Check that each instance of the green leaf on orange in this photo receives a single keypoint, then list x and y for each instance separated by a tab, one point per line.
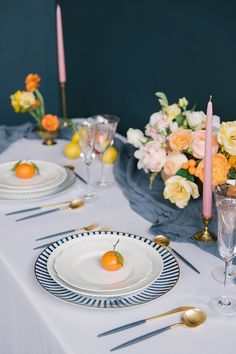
119	258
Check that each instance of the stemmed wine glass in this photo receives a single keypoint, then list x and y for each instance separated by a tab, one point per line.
226	210
87	134
105	131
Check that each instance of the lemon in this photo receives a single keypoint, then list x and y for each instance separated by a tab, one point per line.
75	138
72	150
110	155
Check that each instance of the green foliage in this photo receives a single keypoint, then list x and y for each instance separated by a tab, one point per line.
184	173
152	179
119	258
232	173
162	99
15	166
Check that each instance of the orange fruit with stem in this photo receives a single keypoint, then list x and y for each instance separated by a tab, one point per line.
25	170
112	260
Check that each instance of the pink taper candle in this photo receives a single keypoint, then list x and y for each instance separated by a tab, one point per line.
207	182
60	48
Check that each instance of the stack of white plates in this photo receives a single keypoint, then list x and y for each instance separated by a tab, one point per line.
52	179
71	270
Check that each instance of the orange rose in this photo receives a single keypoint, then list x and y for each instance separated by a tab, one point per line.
50	123
220	169
32	82
180	139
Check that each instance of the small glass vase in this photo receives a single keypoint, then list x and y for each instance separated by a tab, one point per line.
48	138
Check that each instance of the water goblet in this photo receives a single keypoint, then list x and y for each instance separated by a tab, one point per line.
226	211
87	134
105	131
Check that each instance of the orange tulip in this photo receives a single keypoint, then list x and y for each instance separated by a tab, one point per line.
50	123
32	82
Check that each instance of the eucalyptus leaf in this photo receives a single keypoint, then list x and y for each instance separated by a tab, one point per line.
119	258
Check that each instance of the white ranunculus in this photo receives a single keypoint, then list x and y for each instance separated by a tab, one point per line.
135	137
179	190
195	119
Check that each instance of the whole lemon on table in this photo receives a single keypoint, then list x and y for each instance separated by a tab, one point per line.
75	138
110	155
72	150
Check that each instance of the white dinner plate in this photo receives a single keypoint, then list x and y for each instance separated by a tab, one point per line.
164	283
78	265
50	175
21	197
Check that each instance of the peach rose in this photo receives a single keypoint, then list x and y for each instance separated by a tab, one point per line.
50	123
220	169
174	162
151	157
180	139
198	144
32	82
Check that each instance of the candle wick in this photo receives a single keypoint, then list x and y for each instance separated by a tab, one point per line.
210	97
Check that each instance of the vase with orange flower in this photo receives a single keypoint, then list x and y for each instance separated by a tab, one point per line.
31	101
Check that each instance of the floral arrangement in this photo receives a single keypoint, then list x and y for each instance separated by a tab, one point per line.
173	145
31	101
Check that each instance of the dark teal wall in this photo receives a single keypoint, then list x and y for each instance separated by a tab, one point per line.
27	44
119	52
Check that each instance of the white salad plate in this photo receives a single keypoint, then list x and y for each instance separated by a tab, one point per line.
77	266
50	176
49	280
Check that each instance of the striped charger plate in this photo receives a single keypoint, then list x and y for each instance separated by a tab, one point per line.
164	283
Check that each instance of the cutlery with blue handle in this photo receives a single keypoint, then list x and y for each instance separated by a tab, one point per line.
138	323
37	208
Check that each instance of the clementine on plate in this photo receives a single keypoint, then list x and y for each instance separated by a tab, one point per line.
25	170
112	260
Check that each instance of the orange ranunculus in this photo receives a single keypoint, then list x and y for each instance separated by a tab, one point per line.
220	169
32	82
180	139
50	123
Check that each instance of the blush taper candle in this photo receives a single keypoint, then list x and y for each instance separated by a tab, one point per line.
207	182
60	48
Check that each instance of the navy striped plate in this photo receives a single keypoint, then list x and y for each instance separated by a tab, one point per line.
164	283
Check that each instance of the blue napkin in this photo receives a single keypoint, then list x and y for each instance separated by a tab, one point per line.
166	218
9	135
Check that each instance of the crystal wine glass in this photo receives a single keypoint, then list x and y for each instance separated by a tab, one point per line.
226	210
105	131
87	134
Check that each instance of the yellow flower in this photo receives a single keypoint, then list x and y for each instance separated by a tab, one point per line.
179	190
227	137
172	111
27	99
15	101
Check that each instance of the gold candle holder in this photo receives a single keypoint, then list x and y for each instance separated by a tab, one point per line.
206	235
63	100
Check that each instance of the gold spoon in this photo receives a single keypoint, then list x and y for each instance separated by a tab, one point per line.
165	242
190	318
74	204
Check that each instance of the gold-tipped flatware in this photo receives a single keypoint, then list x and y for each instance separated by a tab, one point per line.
165	242
190	319
145	320
74	204
46	206
86	228
72	168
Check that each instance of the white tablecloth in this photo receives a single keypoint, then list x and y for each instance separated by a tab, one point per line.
34	322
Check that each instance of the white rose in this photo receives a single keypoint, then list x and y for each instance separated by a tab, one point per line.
135	137
27	100
174	161
215	123
179	190
227	137
195	119
159	121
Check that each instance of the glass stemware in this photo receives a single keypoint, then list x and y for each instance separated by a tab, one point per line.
87	134
226	210
105	131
